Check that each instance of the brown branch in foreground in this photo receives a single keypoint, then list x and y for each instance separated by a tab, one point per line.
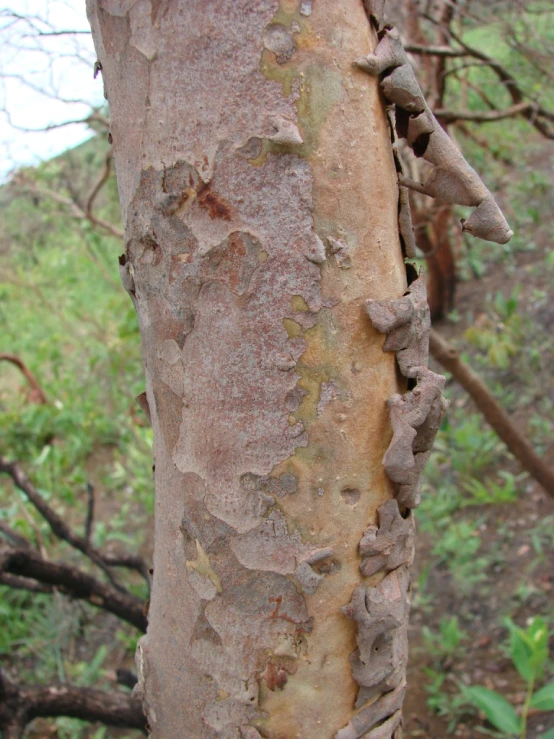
71	581
63	532
37	394
493	412
20	704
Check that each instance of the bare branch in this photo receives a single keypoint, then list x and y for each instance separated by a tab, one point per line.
73	582
442	51
37	394
22	583
496	416
76	210
20	704
98	185
451	116
62	530
17	539
90	512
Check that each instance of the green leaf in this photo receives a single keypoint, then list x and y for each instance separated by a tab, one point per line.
543	699
549	735
520	651
496	708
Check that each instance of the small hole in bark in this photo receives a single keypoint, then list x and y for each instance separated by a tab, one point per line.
350	495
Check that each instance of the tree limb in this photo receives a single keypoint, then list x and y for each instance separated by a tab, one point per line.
535	112
20	704
73	582
493	412
63	532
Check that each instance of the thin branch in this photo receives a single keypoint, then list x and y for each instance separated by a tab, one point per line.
37	394
442	51
99	184
90	513
482	142
534	113
76	210
72	582
62	530
22	583
451	116
20	704
17	539
493	412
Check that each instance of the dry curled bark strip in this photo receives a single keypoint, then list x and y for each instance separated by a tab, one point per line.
416	415
390	544
37	394
451	180
448	357
63	532
73	582
20	704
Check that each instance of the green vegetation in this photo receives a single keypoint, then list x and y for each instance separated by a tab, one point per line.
65	314
529	653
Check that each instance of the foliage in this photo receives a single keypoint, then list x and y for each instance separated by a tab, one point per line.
66	315
529	653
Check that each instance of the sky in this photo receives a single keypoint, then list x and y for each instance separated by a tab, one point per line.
45	79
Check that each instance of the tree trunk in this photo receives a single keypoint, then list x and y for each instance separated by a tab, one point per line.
259	197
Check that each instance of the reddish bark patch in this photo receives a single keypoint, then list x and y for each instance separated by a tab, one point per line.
216	206
274	676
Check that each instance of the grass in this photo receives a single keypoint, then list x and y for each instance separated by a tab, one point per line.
64	312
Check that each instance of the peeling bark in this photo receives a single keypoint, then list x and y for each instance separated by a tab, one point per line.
452	179
259	195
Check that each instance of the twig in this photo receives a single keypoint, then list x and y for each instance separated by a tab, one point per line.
442	51
491	409
90	512
76	210
16	538
101	181
20	704
483	143
451	116
535	112
37	394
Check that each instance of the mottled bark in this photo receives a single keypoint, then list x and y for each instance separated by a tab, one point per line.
259	198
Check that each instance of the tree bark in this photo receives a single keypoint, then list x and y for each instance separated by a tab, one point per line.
259	197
